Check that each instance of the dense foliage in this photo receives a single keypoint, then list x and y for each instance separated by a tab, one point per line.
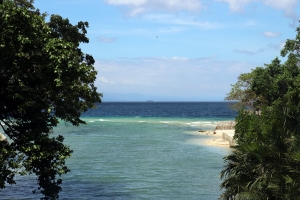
266	162
241	92
44	78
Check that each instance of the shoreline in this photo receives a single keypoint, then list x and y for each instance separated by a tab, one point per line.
216	137
221	136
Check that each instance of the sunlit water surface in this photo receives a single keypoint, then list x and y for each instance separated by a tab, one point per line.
139	151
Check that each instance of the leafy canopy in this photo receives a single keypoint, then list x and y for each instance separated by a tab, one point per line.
44	78
266	162
241	92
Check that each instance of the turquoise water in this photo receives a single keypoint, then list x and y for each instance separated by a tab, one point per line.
146	156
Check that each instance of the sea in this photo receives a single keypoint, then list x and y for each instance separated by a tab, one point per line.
139	150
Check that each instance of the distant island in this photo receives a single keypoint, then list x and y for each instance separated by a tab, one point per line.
149	101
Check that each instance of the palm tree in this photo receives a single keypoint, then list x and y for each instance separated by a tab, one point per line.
267	166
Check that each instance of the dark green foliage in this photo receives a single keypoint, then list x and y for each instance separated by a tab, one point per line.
241	92
44	78
266	162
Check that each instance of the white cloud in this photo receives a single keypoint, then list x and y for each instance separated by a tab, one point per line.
126	2
263	49
271	34
179	58
103	80
247	52
287	6
236	5
106	39
279	46
169	76
183	21
139	7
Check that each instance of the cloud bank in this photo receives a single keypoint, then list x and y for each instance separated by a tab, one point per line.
287	6
106	39
169	76
140	7
271	34
279	47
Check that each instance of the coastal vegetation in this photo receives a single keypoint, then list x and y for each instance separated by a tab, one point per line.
44	78
266	162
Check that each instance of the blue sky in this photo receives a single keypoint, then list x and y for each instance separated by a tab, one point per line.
178	50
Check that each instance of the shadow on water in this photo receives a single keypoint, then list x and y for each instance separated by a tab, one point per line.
71	189
94	190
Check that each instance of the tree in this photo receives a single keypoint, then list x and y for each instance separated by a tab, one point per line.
265	165
44	78
266	162
241	92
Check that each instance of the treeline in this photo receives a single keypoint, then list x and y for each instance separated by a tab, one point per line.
44	78
266	162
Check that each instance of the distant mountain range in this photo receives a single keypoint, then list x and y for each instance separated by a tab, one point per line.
118	97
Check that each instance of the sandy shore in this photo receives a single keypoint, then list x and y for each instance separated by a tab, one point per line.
215	138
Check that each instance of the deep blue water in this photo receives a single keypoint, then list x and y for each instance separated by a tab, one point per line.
163	109
140	151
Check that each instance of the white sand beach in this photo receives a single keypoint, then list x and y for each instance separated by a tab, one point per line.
222	135
217	137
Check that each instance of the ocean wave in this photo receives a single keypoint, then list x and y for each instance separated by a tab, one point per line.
169	122
104	120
